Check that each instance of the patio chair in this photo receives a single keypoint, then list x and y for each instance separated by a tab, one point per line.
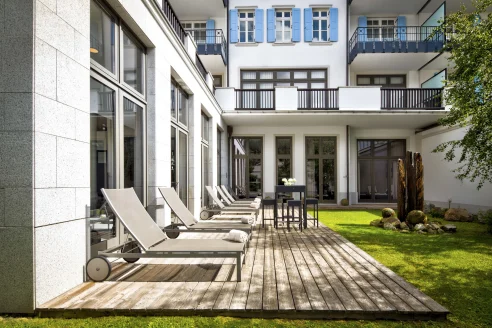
231	192
193	225
221	208
230	198
151	242
227	201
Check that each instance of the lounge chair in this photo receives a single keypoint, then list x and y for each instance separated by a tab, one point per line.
222	209
191	224
151	242
226	200
230	198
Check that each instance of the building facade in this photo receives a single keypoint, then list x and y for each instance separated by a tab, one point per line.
185	93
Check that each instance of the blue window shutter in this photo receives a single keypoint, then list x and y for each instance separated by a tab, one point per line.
308	24
233	21
271	25
334	24
210	31
296	25
401	23
259	25
362	28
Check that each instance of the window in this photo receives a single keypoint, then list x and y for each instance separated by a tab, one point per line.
205	157
179	103
197	29
247	167
283	26
284	158
303	79
246	26
321	19
380	29
321	173
205	127
219	157
103	38
386	81
377	169
133	58
217	81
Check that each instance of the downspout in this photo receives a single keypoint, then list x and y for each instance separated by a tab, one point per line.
347	136
347	46
228	49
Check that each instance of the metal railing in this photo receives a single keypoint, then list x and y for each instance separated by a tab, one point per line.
255	99
396	39
317	98
171	16
411	99
201	67
210	41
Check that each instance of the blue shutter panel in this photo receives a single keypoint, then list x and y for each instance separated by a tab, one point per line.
362	28
271	25
233	20
210	31
308	24
296	25
401	23
334	24
259	25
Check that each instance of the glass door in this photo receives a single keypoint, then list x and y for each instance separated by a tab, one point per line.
321	168
248	166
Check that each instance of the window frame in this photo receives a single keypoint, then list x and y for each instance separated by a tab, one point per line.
380	28
246	20
132	37
291	80
372	77
194	28
282	20
284	156
320	19
179	91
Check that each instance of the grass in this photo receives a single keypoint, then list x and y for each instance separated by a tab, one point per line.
455	270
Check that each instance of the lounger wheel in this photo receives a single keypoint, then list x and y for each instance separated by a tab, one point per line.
131	247
205	215
98	268
172	234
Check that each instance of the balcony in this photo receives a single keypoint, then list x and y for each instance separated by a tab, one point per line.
420	99
255	99
322	99
172	18
399	44
210	42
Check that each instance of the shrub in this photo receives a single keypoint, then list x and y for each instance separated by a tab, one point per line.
486	217
344	202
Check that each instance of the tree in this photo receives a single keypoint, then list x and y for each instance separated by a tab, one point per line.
469	91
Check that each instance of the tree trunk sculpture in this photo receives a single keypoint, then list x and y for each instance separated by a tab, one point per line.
401	190
419	168
410	184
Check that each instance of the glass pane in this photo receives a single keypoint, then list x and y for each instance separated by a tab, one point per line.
287	24
329	179
283	170
380	80
173	158
365	185
133	147
300	75
102	38
363	81
242	37
266	75
250	25
250	36
242	15
255	146
250	15
287	36
315	13
205	127
324	14
287	14
133	63
242	26
396	80
102	134
301	85
364	147
312	146
324	25
317	85
183	168
381	180
278	35
316	35
398	148
254	177
283	75
328	146
278	14
393	194
173	101
249	75
380	148
284	146
316	25
324	36
239	178
219	157
318	74
205	180
312	178
183	107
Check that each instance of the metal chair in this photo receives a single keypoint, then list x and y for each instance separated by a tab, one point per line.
315	218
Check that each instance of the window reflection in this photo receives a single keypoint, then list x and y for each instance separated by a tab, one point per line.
102	38
133	147
132	63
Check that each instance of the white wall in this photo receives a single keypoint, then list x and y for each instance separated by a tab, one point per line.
298	134
439	181
262	55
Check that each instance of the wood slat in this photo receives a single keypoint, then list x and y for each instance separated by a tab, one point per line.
255	294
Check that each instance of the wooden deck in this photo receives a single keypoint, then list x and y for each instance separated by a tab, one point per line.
313	274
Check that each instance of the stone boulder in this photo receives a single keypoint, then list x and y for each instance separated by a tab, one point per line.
435	226
375	223
393	221
415	217
458	214
389	226
449	228
388	213
404	226
419	227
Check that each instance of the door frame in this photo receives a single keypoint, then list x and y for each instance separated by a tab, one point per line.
320	157
247	158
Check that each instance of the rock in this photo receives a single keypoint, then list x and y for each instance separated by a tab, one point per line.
436	222
344	202
449	228
389	226
458	214
431	231
375	223
440	231
420	232
416	216
388	213
394	221
419	227
435	226
404	231
404	226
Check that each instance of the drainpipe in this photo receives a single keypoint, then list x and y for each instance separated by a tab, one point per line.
347	46
347	136
228	49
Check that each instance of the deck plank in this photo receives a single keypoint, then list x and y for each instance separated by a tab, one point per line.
255	294
270	297
285	300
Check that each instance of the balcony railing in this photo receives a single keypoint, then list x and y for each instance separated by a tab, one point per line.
422	99
210	42
260	99
171	16
317	98
395	39
201	67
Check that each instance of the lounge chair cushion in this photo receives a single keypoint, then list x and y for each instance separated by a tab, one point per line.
248	220
237	236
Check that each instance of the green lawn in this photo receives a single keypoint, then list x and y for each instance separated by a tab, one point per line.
455	270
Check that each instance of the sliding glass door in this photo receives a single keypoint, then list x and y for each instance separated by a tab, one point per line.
248	166
321	168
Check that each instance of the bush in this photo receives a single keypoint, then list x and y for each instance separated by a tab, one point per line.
344	202
486	217
438	212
